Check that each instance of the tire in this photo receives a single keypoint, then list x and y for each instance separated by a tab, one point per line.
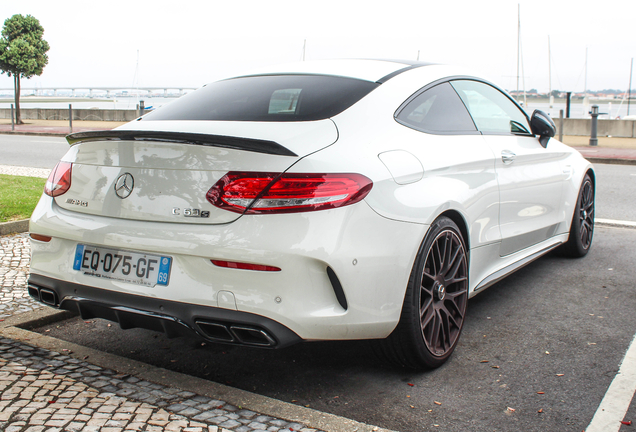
435	302
582	226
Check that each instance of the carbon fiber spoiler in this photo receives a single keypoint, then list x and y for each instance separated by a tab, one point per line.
236	143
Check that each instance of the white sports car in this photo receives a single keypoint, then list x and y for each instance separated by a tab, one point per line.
333	200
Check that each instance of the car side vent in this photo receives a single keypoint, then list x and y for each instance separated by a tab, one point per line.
337	288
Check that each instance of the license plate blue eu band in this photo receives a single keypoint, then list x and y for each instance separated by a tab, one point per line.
126	266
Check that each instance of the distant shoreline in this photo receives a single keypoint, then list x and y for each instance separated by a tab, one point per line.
573	100
54	99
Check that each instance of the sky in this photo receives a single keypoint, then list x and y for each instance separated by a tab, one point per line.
189	43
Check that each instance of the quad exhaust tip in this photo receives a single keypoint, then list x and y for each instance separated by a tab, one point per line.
239	334
46	296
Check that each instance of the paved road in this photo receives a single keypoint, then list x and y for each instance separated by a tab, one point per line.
32	151
615	189
546	342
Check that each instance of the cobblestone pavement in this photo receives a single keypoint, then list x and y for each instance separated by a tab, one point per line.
46	391
14	270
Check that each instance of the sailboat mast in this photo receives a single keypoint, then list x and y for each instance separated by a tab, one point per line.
518	43
585	89
550	73
549	67
629	89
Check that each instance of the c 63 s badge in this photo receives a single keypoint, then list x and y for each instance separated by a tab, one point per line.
190	212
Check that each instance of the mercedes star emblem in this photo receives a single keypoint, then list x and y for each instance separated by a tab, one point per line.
124	185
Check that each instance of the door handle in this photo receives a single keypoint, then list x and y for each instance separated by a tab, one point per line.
507	156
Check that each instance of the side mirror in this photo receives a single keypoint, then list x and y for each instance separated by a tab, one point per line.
542	125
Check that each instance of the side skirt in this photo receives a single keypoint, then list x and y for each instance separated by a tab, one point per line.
495	277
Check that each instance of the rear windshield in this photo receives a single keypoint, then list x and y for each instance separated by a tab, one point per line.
267	98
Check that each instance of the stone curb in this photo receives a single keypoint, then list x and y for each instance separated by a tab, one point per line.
57	134
16	328
614	223
14	227
614	161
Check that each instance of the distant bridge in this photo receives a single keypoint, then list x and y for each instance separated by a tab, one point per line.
108	90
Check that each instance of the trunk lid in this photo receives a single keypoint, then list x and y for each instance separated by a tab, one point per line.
155	171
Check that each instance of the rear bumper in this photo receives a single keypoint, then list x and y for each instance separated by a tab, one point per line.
169	317
343	271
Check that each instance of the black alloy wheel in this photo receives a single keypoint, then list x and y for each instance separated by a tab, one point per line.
582	227
443	293
435	302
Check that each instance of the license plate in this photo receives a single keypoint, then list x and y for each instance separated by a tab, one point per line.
126	266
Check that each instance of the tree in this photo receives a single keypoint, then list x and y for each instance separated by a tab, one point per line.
22	52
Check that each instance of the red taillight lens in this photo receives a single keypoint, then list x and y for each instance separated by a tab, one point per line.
59	181
254	193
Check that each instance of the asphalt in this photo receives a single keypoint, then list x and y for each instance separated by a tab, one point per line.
48	384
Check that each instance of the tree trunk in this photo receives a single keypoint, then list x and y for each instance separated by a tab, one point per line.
16	86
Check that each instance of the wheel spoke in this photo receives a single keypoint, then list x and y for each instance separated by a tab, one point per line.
434	332
456	261
451	319
428	275
424	310
456	280
457	312
444	331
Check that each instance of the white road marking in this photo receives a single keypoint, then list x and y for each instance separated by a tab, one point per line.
612	222
619	395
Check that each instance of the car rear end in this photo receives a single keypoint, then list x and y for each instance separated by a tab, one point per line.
195	219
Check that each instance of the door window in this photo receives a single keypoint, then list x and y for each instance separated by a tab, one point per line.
492	111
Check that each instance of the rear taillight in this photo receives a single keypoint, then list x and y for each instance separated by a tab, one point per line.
255	193
59	181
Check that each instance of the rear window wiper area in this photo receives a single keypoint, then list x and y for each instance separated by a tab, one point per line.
230	142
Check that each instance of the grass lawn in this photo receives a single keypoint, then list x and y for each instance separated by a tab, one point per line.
19	196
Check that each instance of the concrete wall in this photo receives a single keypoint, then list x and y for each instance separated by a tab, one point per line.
583	127
78	114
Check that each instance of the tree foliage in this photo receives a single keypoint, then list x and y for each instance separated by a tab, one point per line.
22	51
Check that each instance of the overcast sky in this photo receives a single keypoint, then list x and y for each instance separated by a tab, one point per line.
188	43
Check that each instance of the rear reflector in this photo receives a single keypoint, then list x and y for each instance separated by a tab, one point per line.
244	266
59	181
257	193
41	238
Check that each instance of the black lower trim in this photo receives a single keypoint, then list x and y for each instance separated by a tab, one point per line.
337	288
170	317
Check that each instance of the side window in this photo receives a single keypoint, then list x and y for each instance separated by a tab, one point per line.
492	111
437	110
